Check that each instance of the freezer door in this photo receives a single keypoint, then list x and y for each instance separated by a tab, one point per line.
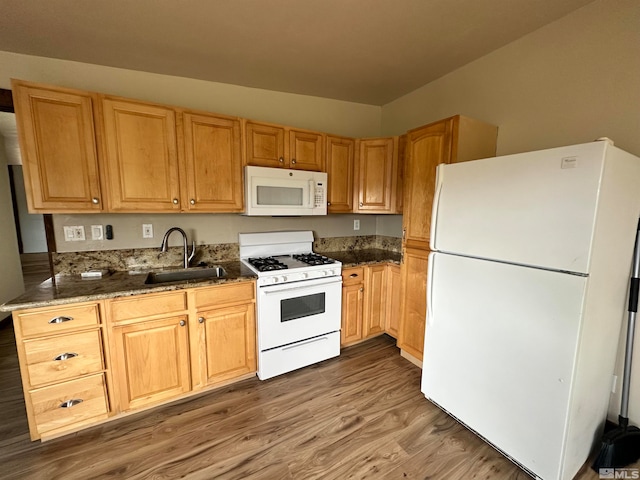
535	208
499	352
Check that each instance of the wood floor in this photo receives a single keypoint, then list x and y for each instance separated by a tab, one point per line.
359	416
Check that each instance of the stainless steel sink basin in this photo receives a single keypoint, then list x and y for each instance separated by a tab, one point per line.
196	273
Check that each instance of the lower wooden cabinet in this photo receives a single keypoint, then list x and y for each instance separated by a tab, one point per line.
152	361
414	307
223	340
64	369
352	305
366	300
394	300
85	363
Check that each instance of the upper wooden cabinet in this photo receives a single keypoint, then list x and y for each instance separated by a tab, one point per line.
212	163
454	139
58	145
340	169
141	156
377	173
268	145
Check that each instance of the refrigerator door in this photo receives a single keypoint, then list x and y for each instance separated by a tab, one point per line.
535	208
500	346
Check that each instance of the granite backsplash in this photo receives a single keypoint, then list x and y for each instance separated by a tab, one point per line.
73	263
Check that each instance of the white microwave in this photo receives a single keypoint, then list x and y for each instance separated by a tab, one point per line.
283	192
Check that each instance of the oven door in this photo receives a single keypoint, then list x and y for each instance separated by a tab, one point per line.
297	311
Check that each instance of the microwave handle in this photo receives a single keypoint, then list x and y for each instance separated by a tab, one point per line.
312	193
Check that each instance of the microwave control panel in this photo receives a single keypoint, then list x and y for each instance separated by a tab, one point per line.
320	195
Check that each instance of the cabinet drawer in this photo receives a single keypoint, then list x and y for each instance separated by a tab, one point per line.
63	357
141	306
225	294
352	276
59	406
58	320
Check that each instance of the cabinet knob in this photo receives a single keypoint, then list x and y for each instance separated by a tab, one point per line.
200	319
192	201
95	200
175	201
293	160
361	204
182	323
70	403
362	289
328	204
60	319
64	356
281	160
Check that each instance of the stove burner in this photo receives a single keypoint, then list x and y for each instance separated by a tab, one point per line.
313	259
266	264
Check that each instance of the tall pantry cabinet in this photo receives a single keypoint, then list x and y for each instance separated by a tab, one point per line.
455	139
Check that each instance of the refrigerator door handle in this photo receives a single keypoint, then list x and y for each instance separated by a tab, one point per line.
436	204
432	259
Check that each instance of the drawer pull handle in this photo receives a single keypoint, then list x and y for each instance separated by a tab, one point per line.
70	403
65	356
60	320
353	275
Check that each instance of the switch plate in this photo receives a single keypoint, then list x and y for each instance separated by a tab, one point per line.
74	233
356	224
147	230
96	232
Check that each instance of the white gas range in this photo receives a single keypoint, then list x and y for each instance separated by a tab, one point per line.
299	300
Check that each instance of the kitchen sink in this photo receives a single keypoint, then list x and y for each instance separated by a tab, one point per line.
196	273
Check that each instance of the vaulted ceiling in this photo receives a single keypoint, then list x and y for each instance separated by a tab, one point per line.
366	51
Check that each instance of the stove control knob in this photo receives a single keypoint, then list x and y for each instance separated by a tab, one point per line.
274	279
305	275
284	278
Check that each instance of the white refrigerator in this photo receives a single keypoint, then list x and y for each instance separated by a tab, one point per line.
526	295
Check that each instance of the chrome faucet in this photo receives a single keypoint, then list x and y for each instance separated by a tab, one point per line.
187	257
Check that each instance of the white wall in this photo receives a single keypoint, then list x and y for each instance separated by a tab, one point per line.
32	233
569	82
11	282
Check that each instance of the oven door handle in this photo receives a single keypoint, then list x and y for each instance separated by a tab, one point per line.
307	285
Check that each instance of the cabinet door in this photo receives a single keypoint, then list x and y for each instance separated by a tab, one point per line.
58	146
375	306
213	163
265	145
377	173
352	306
414	301
340	165
427	147
394	300
141	157
306	150
153	361
227	343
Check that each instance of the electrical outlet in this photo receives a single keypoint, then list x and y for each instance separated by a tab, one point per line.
96	232
78	232
356	224
147	230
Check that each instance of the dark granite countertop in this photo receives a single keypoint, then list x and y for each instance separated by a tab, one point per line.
74	288
353	258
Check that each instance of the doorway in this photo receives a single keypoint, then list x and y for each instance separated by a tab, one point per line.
34	231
